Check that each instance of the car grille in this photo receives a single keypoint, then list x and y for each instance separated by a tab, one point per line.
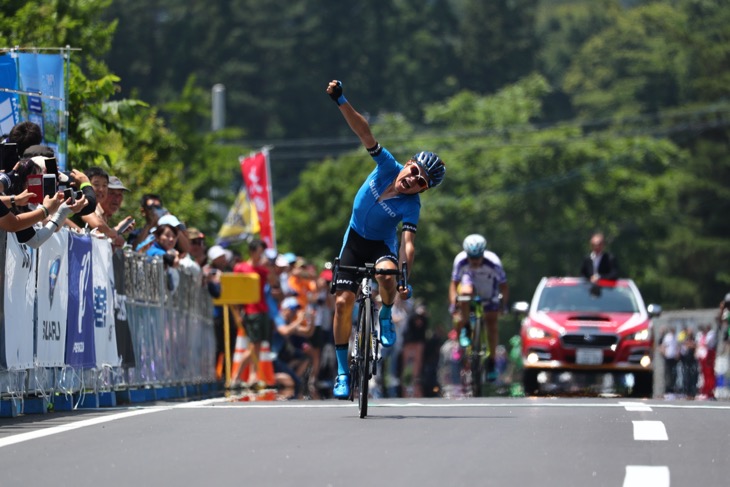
589	340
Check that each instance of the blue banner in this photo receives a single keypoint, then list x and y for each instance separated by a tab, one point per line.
80	350
43	74
9	109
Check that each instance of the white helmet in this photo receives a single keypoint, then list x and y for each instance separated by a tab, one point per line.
475	245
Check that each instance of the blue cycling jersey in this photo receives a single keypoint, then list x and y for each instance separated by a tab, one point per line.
378	220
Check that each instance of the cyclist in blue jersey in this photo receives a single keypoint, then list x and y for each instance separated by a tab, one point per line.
390	195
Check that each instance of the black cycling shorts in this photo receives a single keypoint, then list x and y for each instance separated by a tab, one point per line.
358	251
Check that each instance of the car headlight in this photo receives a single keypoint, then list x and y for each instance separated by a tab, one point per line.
641	336
536	333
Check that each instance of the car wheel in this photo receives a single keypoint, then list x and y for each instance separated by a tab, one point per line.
644	385
529	382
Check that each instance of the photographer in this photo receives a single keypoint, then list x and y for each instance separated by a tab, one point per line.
21	136
75	179
55	206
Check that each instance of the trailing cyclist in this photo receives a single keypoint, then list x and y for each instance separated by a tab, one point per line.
478	272
389	196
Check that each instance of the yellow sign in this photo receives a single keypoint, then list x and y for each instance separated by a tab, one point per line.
239	288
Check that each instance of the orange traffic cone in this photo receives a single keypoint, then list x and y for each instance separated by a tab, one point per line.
265	368
239	370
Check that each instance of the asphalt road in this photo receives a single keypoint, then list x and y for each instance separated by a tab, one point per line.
476	442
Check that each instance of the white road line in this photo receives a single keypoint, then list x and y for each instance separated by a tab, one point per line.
650	431
643	476
32	435
636	406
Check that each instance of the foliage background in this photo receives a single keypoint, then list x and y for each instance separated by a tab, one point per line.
555	118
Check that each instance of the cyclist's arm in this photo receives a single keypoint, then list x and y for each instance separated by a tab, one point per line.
359	125
407	249
453	292
504	290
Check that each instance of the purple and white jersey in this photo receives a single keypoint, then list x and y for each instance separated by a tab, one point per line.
485	278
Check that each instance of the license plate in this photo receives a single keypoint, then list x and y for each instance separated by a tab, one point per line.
588	356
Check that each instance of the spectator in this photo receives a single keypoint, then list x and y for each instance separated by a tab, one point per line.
75	179
321	340
197	246
164	247
112	203
670	352
23	223
194	260
151	209
599	264
414	343
99	180
23	135
688	362
706	353
219	260
290	346
256	317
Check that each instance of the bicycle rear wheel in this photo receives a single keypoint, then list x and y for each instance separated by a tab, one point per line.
476	358
366	332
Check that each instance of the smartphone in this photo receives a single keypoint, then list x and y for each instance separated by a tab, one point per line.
35	186
126	226
8	156
49	184
51	166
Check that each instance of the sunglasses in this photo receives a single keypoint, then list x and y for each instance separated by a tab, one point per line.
416	172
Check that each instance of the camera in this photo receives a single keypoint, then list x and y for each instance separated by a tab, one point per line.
70	193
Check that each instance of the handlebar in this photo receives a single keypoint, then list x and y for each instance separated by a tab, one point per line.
369	270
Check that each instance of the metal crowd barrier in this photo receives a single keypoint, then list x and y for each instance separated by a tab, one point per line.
165	341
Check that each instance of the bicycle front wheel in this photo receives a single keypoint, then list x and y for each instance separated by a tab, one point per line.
366	333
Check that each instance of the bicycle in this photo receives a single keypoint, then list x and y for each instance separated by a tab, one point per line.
365	351
476	353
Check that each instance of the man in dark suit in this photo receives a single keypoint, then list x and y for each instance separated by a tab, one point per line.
599	264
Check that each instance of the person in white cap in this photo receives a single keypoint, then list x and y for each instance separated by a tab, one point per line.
219	260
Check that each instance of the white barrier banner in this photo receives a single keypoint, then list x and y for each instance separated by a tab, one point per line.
105	337
18	300
52	301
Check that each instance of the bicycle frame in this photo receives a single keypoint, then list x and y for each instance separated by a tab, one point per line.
364	354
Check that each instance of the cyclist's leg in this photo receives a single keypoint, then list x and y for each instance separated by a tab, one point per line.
490	319
342	328
387	287
466	290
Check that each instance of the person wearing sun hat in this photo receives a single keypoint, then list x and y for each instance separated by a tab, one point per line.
113	202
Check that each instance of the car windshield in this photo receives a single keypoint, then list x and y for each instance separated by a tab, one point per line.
585	297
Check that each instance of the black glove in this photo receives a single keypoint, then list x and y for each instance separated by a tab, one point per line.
337	95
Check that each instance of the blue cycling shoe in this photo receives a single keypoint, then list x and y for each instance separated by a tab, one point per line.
342	387
387	329
464	339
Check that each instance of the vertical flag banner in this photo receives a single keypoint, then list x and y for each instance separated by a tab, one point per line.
16	334
241	222
52	301
42	74
256	176
80	333
9	108
105	336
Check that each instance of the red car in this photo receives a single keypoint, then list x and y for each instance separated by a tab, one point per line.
573	325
